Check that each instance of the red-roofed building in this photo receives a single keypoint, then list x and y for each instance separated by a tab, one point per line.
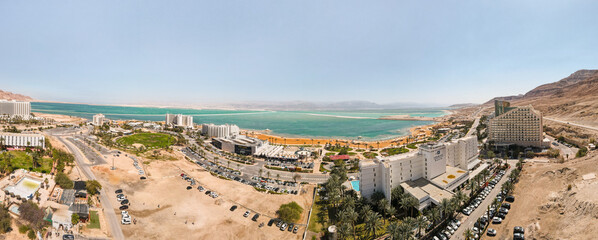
342	157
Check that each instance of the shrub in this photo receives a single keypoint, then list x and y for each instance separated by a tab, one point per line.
5	220
75	218
23	229
93	187
31	234
290	212
63	181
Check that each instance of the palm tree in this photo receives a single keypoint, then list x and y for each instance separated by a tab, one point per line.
372	222
445	207
405	230
344	230
461	197
421	223
393	230
468	234
352	216
383	206
408	203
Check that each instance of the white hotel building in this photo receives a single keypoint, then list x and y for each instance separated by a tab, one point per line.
98	119
179	120
23	140
430	174
15	108
220	131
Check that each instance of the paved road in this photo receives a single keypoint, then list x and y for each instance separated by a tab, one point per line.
108	209
573	124
473	126
480	210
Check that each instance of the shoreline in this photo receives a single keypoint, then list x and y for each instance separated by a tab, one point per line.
361	144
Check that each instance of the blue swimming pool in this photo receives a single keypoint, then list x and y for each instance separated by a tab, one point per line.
355	185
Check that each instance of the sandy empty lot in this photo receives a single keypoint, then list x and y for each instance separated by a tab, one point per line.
190	214
547	209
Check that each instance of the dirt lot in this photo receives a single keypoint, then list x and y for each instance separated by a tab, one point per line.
190	214
547	209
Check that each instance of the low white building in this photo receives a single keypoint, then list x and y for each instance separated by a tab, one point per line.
98	119
23	139
240	144
429	174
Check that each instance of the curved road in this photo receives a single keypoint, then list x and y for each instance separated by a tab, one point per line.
111	218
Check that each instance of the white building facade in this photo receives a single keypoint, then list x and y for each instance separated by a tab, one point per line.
98	119
437	164
518	125
179	120
23	140
15	108
220	131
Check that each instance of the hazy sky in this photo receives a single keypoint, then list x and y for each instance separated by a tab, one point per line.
173	52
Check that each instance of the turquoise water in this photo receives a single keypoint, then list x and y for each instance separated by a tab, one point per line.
355	185
327	124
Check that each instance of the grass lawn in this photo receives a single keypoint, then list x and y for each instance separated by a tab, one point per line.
330	153
351	153
412	146
395	151
20	159
314	222
149	140
370	154
94	220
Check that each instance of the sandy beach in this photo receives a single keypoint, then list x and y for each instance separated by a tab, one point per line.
421	131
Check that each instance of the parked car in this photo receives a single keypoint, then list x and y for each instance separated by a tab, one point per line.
123	207
518	236
283	227
118	191
233	208
496	220
510	199
124	202
491	232
518	230
295	229
246	214
125	221
255	217
68	237
506	205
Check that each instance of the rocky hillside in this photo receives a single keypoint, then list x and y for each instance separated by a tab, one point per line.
14	96
574	98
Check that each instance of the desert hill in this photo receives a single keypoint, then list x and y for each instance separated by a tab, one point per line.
14	96
573	98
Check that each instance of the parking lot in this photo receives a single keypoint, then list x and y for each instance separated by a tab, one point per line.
478	209
264	183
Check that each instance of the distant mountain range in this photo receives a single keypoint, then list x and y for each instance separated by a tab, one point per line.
344	105
573	98
13	96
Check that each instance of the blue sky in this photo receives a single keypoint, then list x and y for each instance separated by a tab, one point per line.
181	52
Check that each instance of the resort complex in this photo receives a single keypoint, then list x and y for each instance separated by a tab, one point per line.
22	140
220	131
98	119
430	174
